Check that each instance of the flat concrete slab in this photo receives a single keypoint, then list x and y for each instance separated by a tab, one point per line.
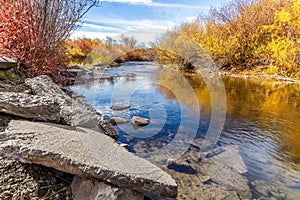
85	153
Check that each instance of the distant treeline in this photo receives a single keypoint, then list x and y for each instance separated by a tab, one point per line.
85	51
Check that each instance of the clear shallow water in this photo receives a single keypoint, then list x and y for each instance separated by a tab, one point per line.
262	119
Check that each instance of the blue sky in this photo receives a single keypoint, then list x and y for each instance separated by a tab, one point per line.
143	19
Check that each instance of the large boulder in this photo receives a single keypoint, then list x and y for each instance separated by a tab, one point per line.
85	153
73	111
46	101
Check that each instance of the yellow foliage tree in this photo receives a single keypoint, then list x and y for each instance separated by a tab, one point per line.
262	36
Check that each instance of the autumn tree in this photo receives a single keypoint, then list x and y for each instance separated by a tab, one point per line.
129	42
249	36
79	49
32	31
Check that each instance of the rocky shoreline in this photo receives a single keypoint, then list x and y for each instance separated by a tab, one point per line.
48	137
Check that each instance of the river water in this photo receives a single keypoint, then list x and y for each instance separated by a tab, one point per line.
262	121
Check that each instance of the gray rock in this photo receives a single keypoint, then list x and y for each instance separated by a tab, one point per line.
6	63
139	121
30	106
84	152
79	71
107	128
73	111
92	189
118	120
118	107
46	101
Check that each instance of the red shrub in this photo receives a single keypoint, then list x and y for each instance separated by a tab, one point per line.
21	38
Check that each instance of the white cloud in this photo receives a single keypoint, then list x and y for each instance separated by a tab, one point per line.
97	27
152	3
92	34
126	25
128	1
191	19
144	30
146	35
142	35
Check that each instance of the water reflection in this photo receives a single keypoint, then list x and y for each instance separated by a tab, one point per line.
263	119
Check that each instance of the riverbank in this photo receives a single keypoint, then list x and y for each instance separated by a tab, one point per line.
262	77
44	128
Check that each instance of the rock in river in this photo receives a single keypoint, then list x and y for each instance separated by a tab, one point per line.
85	153
118	107
118	120
139	121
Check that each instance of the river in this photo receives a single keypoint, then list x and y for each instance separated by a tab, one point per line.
262	121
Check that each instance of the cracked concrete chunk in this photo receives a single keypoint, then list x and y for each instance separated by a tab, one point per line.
46	101
29	106
85	153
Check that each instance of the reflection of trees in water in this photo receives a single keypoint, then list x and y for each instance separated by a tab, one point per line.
273	107
178	81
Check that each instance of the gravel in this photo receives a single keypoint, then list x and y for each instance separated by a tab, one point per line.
26	181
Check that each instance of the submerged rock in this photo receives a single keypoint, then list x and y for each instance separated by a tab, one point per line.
139	121
219	175
275	189
92	189
84	152
182	166
118	107
229	156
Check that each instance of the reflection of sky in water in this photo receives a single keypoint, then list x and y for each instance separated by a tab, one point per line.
262	116
138	90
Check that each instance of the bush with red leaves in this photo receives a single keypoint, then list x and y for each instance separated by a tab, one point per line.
21	38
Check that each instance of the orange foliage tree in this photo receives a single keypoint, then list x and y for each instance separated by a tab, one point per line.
79	49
